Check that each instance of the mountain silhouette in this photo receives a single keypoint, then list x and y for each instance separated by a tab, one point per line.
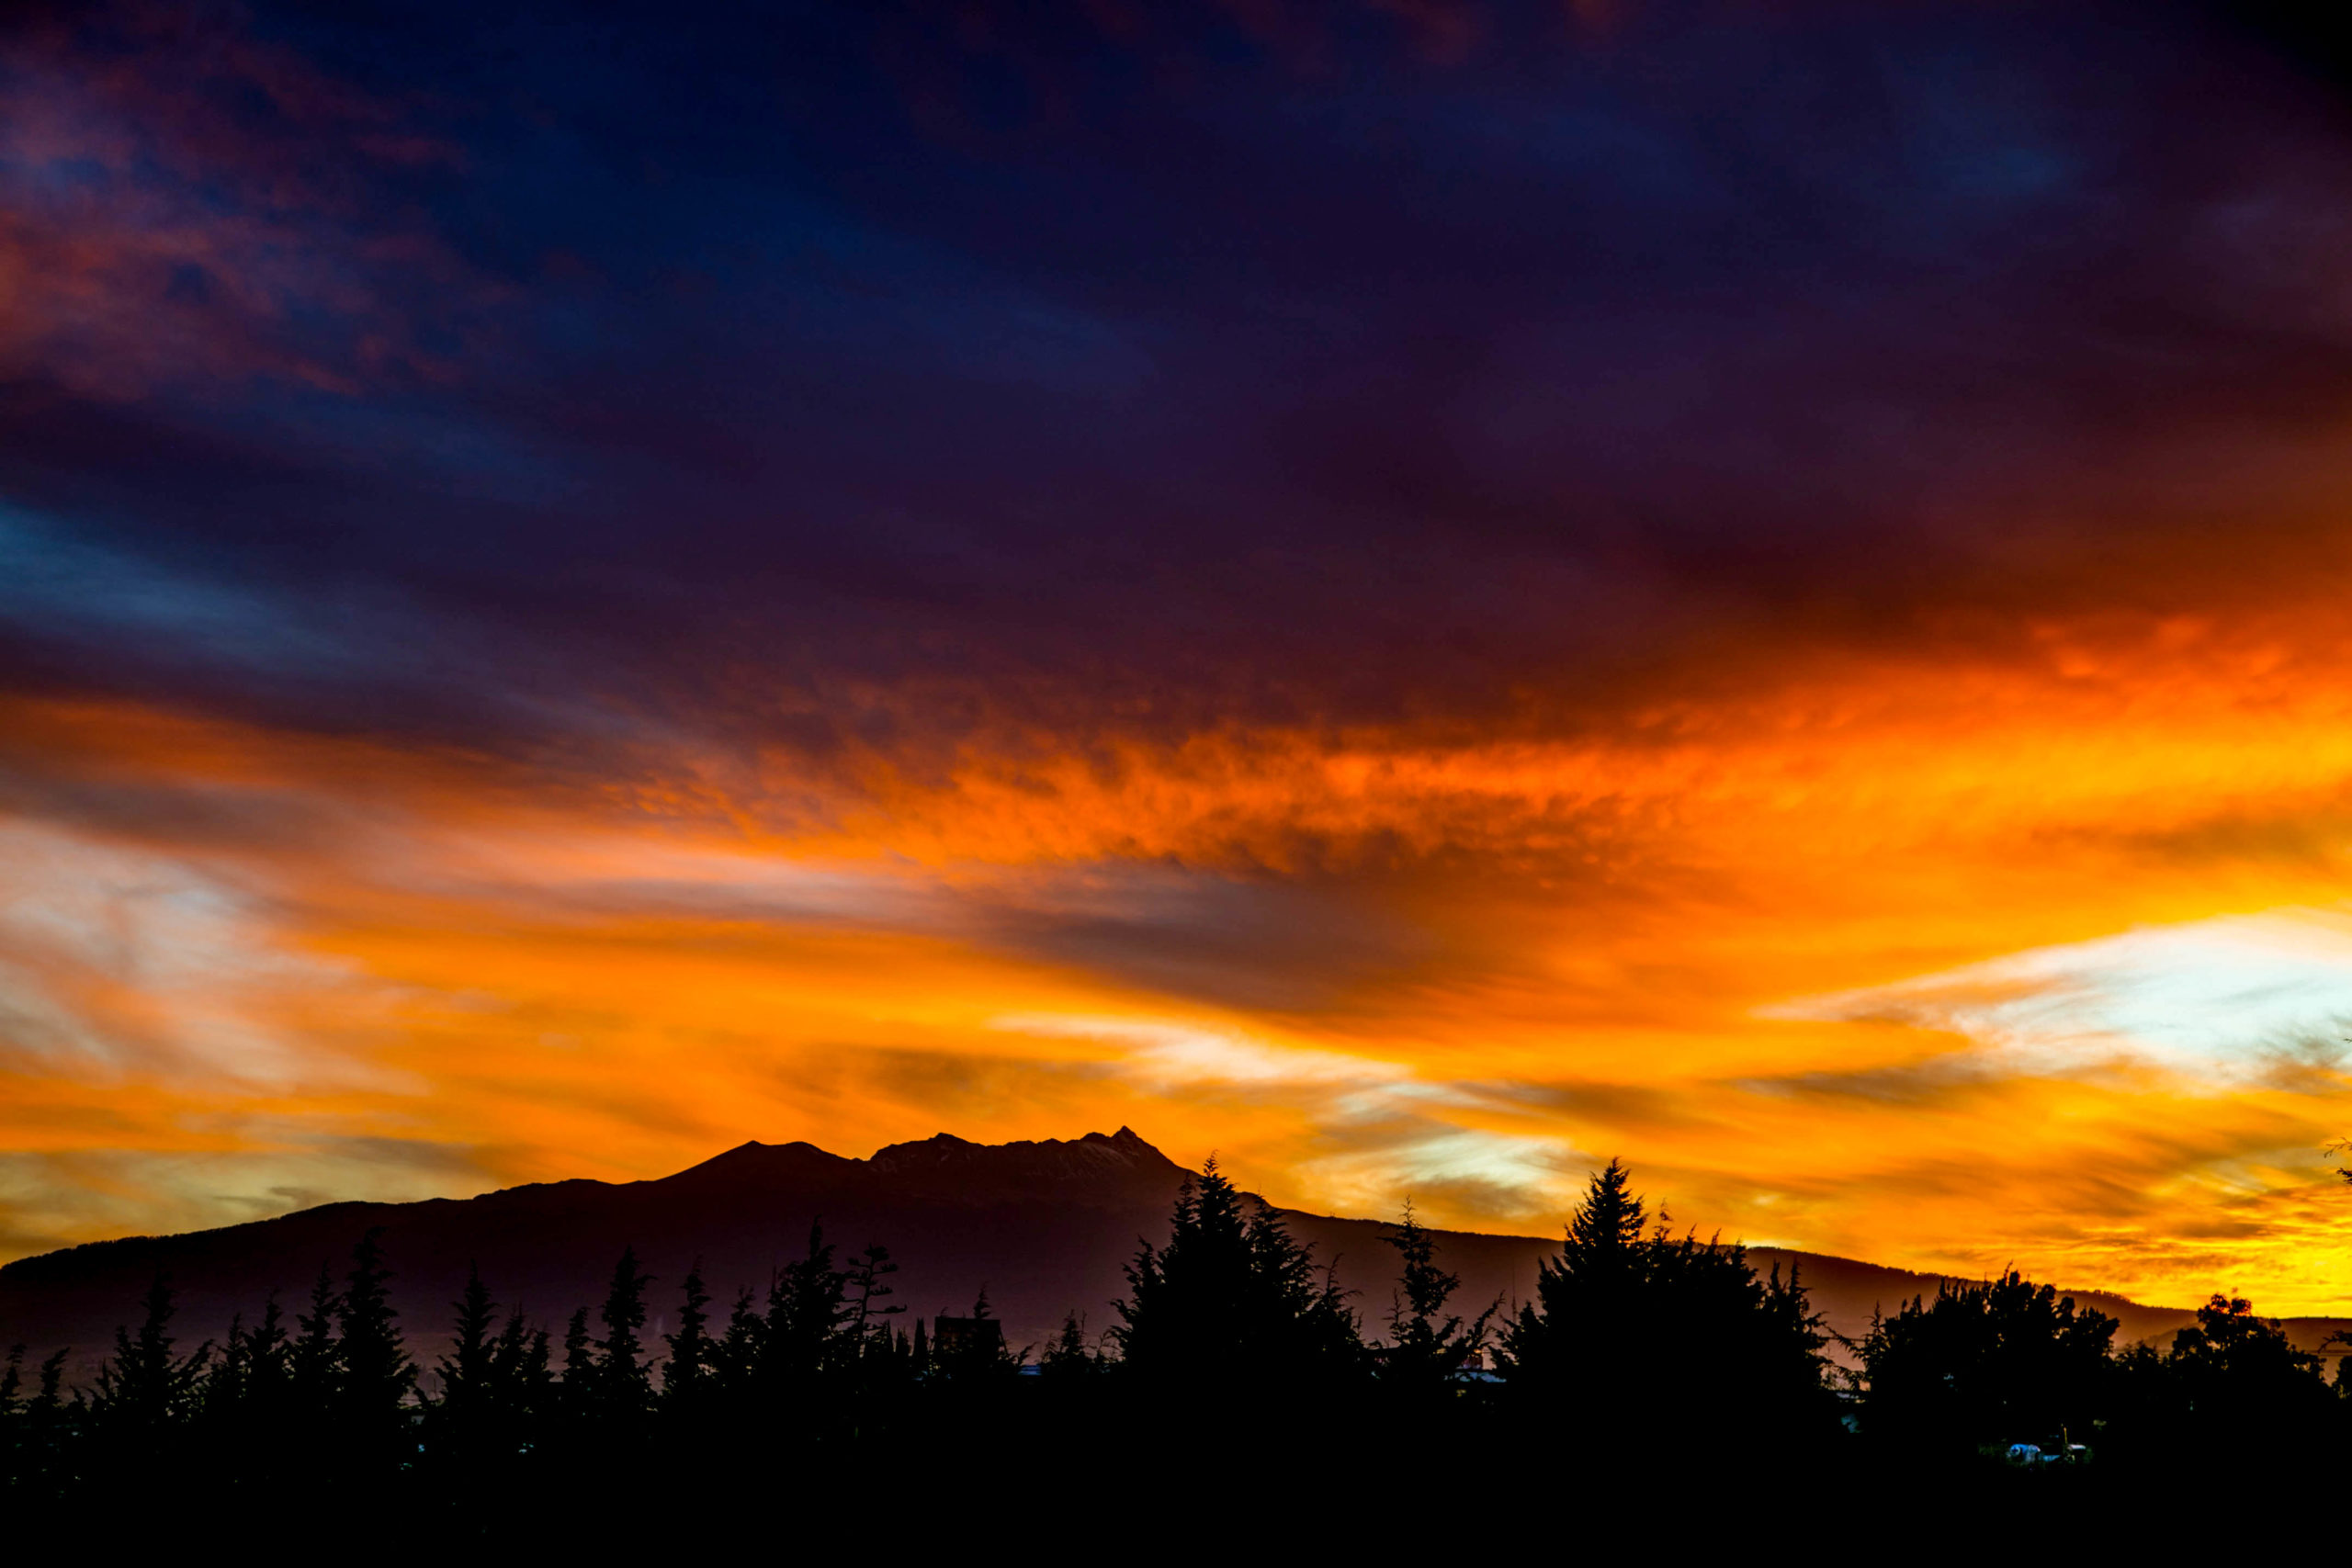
1045	1227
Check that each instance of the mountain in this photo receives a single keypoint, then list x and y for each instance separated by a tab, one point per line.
1042	1227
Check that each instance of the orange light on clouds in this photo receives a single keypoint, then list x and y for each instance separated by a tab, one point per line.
1699	939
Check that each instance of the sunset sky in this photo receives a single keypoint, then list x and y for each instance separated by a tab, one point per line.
1416	594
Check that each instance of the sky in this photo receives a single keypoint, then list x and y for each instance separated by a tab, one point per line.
1417	594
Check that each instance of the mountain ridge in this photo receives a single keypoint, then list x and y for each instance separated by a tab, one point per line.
1045	1226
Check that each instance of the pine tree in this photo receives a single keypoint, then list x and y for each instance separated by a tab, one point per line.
579	1367
1618	1318
624	1389
227	1391
1068	1356
378	1376
144	1387
1232	1294
865	1287
1575	1331
691	1363
1426	1346
523	1382
315	1361
49	1401
263	1387
735	1359
807	1307
466	1369
38	1454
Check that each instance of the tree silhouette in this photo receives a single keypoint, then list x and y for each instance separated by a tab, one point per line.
143	1387
2004	1360
1653	1330
865	1285
1426	1346
466	1369
1068	1356
735	1359
2244	1379
521	1378
624	1387
578	1367
378	1376
316	1359
690	1362
808	1305
1231	1291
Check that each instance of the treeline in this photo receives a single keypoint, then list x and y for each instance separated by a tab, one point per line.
1635	1340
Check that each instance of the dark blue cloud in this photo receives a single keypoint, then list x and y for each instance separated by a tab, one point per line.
1061	370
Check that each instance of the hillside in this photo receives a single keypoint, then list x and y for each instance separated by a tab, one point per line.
1042	1227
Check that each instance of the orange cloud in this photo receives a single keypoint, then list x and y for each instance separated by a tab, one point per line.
1565	945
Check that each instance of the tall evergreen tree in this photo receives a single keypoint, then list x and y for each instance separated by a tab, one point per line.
144	1387
807	1307
467	1369
867	1284
624	1387
521	1378
1068	1356
735	1359
1231	1295
378	1376
1426	1346
1651	1328
691	1364
578	1391
315	1361
263	1390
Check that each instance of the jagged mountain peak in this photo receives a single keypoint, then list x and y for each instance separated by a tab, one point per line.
1091	1159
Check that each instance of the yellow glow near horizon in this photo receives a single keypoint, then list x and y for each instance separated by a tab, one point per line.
1698	938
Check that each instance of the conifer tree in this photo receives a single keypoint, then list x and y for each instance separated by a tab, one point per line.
226	1391
377	1375
808	1305
49	1401
315	1361
735	1359
12	1420
578	1367
624	1389
691	1363
1068	1356
1426	1346
144	1387
1232	1294
35	1456
255	1402
466	1369
865	1286
1620	1318
520	1374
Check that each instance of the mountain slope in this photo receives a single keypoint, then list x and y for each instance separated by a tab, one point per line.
1043	1227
